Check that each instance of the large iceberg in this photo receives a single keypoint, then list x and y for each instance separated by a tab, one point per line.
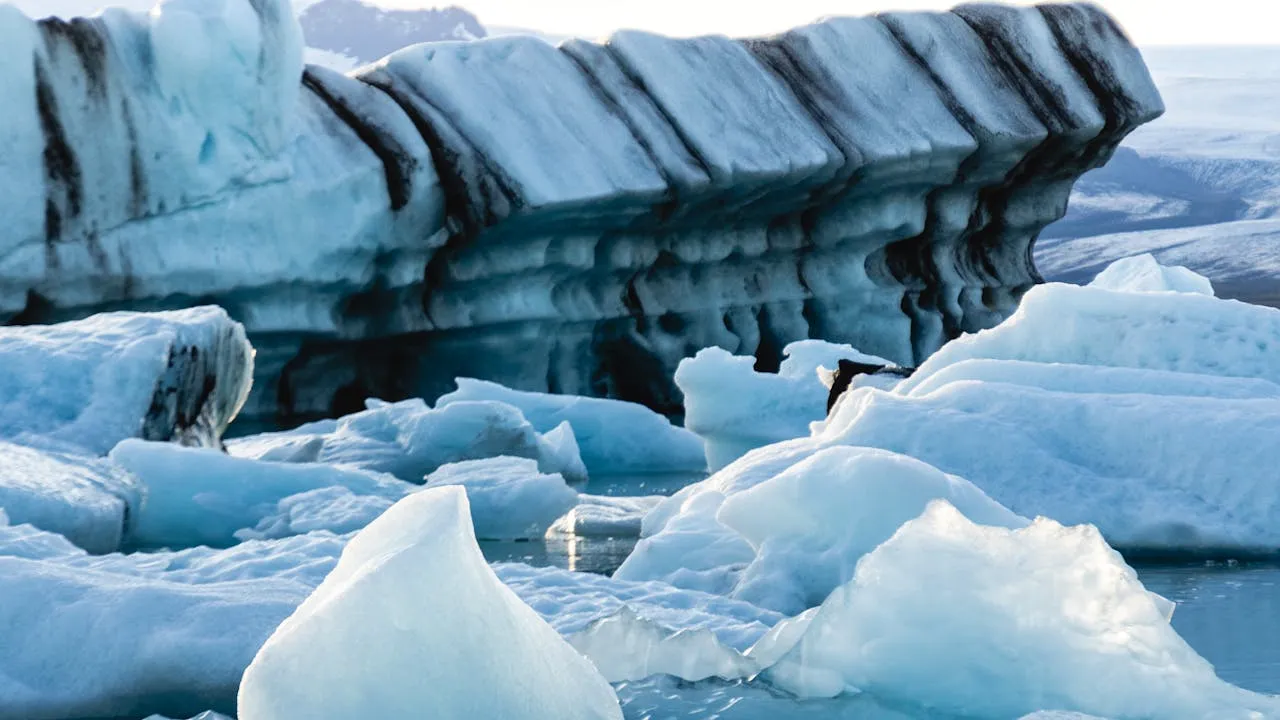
1144	412
987	622
609	208
413	618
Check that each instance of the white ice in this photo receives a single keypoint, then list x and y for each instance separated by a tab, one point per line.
1141	273
606	516
736	409
410	440
413	618
615	438
990	622
202	497
627	647
812	524
95	382
509	498
90	636
87	500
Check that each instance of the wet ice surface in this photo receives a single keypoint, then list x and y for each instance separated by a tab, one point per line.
599	555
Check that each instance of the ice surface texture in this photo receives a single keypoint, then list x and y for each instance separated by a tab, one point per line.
413	617
608	208
1144	412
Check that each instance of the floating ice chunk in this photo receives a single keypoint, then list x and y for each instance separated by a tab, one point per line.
736	409
334	509
812	524
410	440
560	450
179	376
616	438
202	497
85	499
1181	332
1141	273
627	647
693	550
122	636
991	622
606	516
510	499
413	618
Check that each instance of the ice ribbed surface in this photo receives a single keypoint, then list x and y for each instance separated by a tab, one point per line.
610	208
175	376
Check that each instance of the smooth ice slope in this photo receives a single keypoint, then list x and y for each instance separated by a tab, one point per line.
509	498
174	376
87	500
609	208
1043	617
736	409
413	617
201	497
812	524
615	438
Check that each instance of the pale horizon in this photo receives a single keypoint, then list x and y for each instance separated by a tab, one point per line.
1150	23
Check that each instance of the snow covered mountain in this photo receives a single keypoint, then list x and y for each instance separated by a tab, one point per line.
608	209
366	32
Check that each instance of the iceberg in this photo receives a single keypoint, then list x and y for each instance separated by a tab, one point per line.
736	409
172	377
196	497
615	438
414	585
334	509
1143	413
410	440
509	498
86	500
812	524
606	516
130	635
609	208
991	622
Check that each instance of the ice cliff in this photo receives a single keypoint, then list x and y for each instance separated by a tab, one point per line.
608	209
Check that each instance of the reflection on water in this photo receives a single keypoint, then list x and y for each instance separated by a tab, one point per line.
600	556
1230	614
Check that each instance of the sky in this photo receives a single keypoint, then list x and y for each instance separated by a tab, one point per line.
1149	22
